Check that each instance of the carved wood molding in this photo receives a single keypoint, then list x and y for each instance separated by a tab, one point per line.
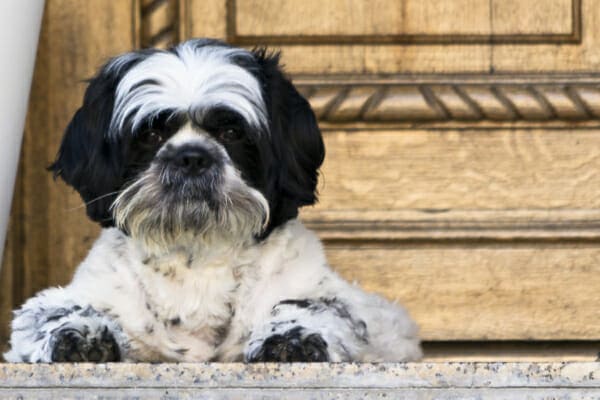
467	99
442	225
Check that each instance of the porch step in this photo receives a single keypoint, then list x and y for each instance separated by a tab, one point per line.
498	380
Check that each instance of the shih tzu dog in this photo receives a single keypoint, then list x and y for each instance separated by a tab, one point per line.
195	160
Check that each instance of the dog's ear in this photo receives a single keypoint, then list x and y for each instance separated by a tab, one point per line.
296	140
91	158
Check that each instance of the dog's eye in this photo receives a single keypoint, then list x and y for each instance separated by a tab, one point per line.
152	137
229	134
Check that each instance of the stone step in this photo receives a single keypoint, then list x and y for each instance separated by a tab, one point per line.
498	380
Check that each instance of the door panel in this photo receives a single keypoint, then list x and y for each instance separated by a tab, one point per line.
483	291
454	188
452	170
336	21
405	36
393	21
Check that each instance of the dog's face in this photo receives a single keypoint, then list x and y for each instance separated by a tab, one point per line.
203	138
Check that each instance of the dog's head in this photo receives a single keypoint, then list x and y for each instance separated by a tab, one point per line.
203	138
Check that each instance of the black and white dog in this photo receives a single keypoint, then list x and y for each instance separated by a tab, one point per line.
195	160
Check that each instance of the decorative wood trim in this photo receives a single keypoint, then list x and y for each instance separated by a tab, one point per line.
184	20
442	98
443	225
160	22
407	39
577	24
510	350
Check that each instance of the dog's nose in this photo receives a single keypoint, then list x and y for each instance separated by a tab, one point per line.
193	160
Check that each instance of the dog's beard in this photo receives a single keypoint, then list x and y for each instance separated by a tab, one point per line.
163	210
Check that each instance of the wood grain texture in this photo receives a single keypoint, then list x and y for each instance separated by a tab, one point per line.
470	291
530	16
441	170
277	18
206	19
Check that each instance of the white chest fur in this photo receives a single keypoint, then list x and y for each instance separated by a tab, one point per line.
175	306
183	304
179	287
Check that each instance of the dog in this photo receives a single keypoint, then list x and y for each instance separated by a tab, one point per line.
195	161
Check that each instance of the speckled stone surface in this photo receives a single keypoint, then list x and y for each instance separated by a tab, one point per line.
302	381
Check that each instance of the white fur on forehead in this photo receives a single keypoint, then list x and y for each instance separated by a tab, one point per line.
190	78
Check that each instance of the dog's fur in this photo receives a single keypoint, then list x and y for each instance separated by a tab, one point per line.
195	160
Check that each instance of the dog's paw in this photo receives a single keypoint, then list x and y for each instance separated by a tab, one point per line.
73	345
291	346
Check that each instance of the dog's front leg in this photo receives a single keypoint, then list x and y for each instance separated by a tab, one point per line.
54	326
308	330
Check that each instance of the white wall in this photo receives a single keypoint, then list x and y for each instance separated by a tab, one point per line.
20	22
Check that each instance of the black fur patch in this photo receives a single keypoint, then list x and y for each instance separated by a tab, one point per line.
330	304
149	328
58	313
71	345
292	347
305	303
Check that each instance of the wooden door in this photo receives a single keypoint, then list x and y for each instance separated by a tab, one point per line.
462	174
